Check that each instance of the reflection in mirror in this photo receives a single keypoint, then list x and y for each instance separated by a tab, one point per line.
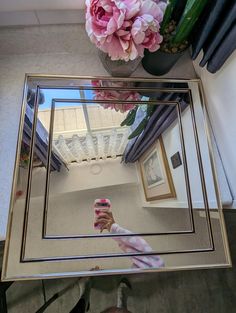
114	176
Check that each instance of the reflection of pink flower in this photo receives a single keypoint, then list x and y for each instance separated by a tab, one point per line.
124	28
117	94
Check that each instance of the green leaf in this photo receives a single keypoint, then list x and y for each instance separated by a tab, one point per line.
168	14
139	129
130	118
191	13
151	109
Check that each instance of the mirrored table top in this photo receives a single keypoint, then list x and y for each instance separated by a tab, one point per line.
113	176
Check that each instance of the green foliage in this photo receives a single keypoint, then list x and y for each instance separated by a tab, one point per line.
175	37
130	118
151	109
139	129
191	13
168	13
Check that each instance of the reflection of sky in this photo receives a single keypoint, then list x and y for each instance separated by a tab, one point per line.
50	94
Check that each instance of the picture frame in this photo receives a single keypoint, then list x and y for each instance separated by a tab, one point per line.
155	173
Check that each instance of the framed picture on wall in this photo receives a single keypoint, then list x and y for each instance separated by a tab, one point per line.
155	173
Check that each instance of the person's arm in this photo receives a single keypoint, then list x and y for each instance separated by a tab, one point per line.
131	244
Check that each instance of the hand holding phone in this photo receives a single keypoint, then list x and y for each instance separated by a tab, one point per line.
101	206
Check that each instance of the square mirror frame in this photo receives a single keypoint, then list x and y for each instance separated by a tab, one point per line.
6	277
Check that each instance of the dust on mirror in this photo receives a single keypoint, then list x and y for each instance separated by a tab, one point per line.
114	176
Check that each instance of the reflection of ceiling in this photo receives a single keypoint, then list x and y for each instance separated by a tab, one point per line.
37	12
95	145
85	132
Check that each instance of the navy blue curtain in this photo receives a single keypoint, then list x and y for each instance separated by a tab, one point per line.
161	119
215	34
41	141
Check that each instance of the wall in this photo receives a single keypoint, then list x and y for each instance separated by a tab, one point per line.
80	177
220	93
74	192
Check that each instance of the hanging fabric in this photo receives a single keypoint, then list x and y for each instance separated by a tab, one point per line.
214	33
41	141
162	118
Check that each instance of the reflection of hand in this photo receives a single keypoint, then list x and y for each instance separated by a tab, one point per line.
105	220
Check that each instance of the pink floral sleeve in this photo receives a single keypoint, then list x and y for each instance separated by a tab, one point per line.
136	244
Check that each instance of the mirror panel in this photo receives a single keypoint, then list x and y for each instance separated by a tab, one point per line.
113	176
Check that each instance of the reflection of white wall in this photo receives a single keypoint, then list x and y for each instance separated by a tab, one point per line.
126	207
220	92
80	177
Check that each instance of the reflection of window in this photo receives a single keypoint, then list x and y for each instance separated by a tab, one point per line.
81	118
99	118
74	118
83	131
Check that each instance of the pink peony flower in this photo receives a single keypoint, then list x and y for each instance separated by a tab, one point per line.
162	4
113	95
124	28
145	33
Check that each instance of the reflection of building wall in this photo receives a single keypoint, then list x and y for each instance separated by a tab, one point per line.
81	177
71	119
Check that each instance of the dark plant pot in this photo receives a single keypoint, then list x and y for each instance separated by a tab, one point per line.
159	62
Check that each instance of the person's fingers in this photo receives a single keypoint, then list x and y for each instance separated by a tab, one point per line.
110	214
101	213
104	214
102	228
102	221
107	219
105	226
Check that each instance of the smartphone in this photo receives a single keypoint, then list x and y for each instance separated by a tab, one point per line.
101	205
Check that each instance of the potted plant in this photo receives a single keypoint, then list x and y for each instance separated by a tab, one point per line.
121	30
175	36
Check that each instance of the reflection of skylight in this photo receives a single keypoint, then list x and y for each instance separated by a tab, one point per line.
82	131
72	118
50	94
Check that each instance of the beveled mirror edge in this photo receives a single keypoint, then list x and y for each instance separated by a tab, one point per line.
14	178
112	272
214	172
28	76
